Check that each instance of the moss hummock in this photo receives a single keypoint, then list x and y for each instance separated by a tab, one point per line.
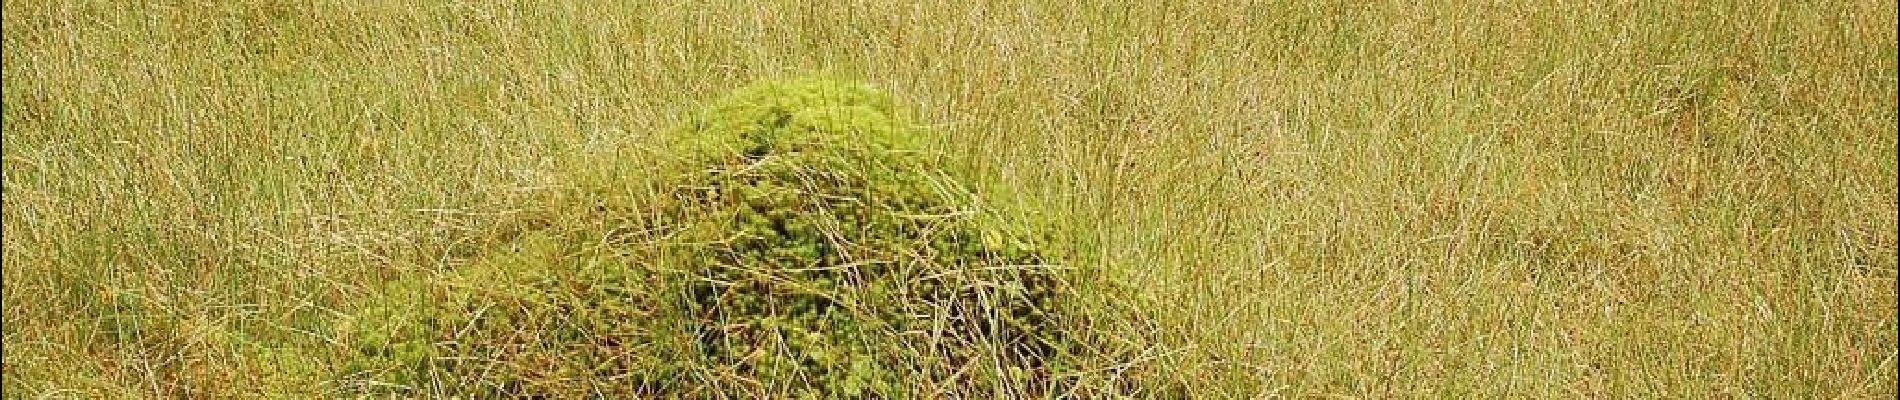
803	247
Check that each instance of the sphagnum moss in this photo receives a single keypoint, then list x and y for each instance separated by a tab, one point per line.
810	251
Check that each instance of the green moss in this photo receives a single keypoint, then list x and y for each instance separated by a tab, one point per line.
838	263
539	318
803	248
849	121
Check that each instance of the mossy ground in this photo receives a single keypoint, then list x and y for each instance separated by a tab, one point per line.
804	247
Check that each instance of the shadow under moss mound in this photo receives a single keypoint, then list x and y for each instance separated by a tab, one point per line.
805	248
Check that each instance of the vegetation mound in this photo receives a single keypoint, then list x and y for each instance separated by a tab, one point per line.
805	248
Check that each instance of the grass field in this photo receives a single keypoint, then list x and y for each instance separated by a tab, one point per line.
1627	199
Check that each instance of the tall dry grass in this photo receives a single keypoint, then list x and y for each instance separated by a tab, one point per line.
1374	199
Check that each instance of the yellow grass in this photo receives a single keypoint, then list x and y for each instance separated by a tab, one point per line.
1369	199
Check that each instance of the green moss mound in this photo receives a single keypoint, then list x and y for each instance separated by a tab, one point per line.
804	248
